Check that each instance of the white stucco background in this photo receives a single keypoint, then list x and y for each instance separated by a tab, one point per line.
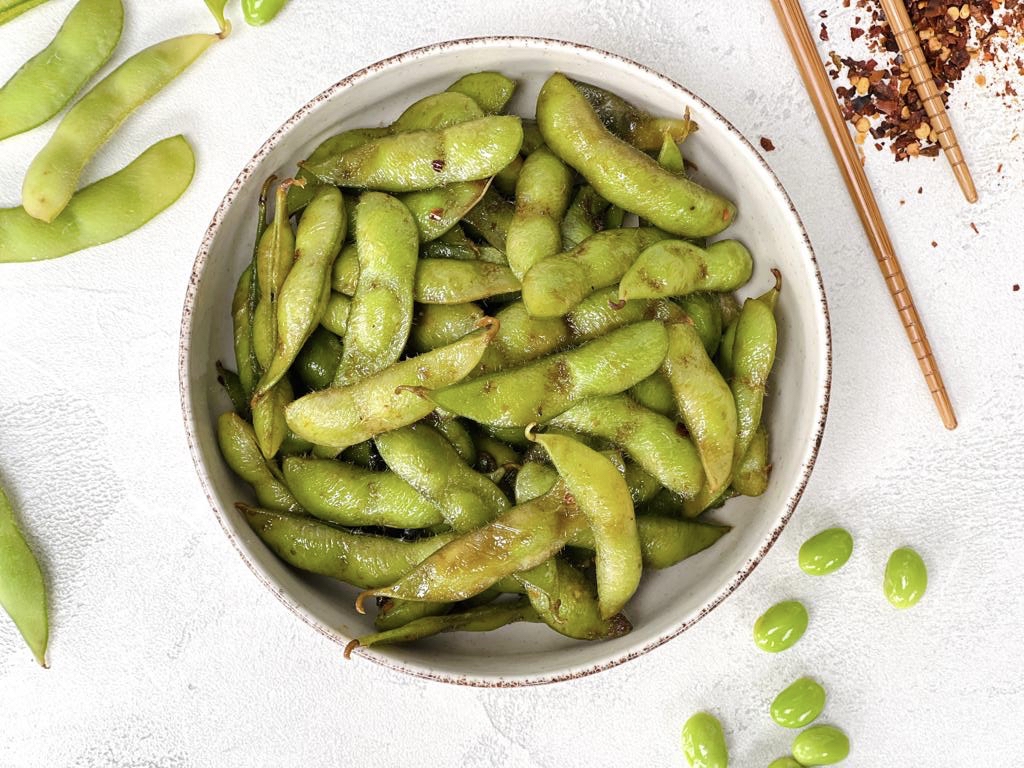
165	649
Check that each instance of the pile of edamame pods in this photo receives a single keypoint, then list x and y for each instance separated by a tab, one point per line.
494	369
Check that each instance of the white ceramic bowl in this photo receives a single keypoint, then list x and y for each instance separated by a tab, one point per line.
669	601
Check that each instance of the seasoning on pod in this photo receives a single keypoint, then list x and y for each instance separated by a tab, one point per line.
704	742
780	626
826	552
906	578
799	704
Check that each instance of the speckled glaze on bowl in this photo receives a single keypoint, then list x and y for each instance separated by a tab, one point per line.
668	602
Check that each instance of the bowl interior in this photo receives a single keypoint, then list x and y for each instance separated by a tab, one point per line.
668	601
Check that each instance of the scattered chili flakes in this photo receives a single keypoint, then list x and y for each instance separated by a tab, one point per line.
934	244
767	145
920	190
999	168
1016	287
823	34
974	227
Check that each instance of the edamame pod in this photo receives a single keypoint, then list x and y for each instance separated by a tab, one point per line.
241	331
603	498
22	589
542	196
319	359
821	745
506	179
780	626
622	174
435	325
491	218
456	434
664	541
453	244
677	268
557	284
565	601
632	124
491	90
651	440
436	211
825	552
50	79
359	559
268	419
426	159
448	281
906	578
704	742
343	416
54	173
543	389
421	456
392	613
704	401
670	157
345	272
238	446
584	217
522	338
381	314
705	313
799	704
275	255
346	494
494	456
723	360
10	9
751	475
216	8
260	12
655	393
299	197
335	317
232	385
104	211
436	112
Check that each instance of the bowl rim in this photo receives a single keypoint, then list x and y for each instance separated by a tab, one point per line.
184	365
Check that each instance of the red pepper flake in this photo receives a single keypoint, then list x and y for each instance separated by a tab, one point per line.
934	244
903	202
823	34
974	227
999	168
436	214
920	190
767	145
1016	287
823	14
437	165
856	33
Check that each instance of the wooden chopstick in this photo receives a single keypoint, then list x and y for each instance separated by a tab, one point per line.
921	75
819	87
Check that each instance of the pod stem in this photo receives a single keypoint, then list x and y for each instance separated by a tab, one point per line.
347	653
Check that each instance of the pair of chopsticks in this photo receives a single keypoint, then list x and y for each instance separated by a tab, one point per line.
819	88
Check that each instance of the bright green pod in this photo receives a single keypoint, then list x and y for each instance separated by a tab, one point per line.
564	600
664	541
491	218
104	211
345	272
436	112
53	175
50	79
670	157
275	254
584	217
360	559
216	8
22	589
11	9
436	325
678	268
750	477
723	360
705	312
491	90
436	211
299	197
780	626
238	446
387	245
318	361
825	552
655	393
821	745
622	174
799	704
456	434
547	387
906	578
260	12
554	285
506	179
449	281
704	742
346	494
268	417
533	480
407	162
632	124
542	196
335	318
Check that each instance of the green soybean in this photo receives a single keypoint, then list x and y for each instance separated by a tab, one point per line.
275	254
826	552
238	446
299	197
22	589
655	393
268	417
906	578
704	742
784	762
319	359
491	90
821	745
50	79
542	196
260	12
799	704
677	268
780	626
103	211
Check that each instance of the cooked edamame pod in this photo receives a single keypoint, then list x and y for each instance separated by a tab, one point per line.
651	440
583	218
436	112
335	317
632	124
723	360
753	354
655	392
519	539
565	601
704	401
456	434
557	284
603	498
482	618
241	330
670	157
906	578
53	175
232	385
750	477
665	541
299	196
260	12
622	174
238	446
10	9
345	272
506	179
392	613
677	268
343	416
426	159
421	456
381	314
346	494
104	211
542	196
705	313
275	255
521	338
491	90
22	589
704	742
359	559
268	419
493	456
642	484
319	359
547	387
491	218
435	325
453	244
305	292
436	211
780	626
825	552
821	745
50	79
448	281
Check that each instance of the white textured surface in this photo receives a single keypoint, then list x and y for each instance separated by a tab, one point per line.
167	652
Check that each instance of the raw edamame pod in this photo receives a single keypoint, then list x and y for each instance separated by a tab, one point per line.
53	175
491	90
426	159
704	742
622	174
821	745
542	195
565	601
22	589
238	446
676	268
104	211
50	79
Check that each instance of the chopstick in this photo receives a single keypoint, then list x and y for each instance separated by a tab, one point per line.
819	88
921	75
